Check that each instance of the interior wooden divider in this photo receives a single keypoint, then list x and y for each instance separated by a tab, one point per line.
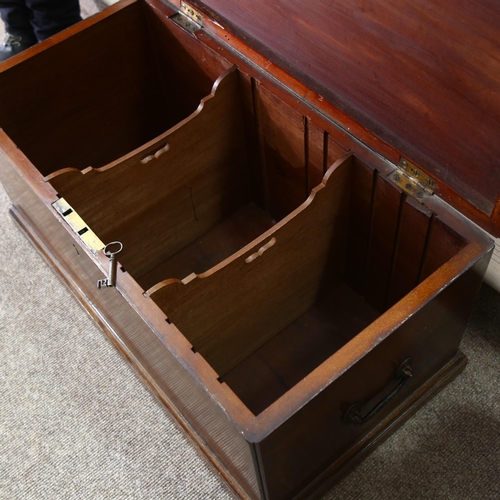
232	310
240	163
158	207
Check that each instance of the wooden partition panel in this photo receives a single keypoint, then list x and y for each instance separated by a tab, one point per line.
236	307
157	205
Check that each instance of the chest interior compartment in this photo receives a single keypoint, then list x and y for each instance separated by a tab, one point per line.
265	242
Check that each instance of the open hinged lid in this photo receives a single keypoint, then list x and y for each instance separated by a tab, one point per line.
422	76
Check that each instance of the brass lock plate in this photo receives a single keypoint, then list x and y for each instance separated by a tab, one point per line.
78	225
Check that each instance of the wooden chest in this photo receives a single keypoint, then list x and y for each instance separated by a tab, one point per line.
288	279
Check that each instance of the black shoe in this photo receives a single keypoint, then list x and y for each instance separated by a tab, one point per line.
14	44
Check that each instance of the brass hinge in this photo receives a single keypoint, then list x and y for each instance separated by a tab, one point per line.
188	18
78	225
412	180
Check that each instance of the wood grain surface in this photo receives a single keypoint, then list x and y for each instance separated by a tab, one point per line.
254	153
421	76
156	209
237	306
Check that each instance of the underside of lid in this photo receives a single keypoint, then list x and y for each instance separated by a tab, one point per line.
423	76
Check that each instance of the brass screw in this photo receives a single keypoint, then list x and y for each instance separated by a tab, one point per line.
409	186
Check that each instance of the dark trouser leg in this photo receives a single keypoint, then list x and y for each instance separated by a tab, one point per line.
51	16
17	18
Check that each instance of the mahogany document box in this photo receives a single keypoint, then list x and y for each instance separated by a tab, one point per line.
275	210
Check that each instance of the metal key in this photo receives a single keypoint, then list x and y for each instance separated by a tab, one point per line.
111	279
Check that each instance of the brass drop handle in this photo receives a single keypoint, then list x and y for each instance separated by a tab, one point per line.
353	413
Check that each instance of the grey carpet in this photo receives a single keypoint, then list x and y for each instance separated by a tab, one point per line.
75	423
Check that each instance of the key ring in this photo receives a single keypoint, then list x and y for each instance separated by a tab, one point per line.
108	253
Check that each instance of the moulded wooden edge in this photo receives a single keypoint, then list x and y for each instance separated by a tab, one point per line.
43	247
